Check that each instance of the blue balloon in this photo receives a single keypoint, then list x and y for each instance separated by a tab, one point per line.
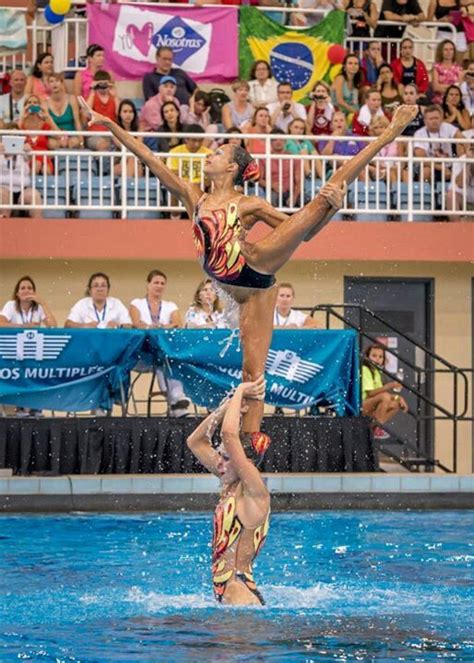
51	17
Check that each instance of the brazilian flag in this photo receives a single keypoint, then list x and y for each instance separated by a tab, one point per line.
299	57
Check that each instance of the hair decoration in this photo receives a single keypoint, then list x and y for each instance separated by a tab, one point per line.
260	442
252	172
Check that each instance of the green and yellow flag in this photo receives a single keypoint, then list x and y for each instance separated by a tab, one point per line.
299	57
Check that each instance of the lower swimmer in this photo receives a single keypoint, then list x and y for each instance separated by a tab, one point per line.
241	518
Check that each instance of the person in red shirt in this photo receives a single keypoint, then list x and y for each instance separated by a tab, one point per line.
103	99
36	118
407	69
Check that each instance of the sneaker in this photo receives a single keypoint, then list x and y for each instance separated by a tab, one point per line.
380	433
178	412
279	411
184	403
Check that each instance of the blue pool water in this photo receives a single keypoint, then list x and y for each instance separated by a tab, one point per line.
340	586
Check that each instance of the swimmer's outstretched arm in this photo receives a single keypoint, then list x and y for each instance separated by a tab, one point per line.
199	442
230	432
178	187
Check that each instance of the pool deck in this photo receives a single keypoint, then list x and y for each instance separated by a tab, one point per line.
198	492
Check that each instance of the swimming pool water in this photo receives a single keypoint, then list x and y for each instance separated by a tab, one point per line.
339	586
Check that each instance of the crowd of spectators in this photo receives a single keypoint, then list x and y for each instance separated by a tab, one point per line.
367	92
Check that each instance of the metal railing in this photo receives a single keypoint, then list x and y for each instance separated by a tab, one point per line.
429	367
115	184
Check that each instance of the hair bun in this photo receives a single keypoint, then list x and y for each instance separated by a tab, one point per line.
260	442
251	172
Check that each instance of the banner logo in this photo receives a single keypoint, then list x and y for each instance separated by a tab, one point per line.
179	36
288	365
32	344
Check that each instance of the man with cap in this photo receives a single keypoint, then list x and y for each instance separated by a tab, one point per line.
185	86
150	117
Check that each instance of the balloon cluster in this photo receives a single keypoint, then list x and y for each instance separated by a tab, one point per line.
56	10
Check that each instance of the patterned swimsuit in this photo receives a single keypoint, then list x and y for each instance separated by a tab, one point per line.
216	237
234	548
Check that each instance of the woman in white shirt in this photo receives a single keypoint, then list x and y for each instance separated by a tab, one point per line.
206	309
284	316
98	310
153	312
26	308
263	87
15	183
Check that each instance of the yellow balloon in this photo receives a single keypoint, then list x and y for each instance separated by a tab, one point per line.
60	6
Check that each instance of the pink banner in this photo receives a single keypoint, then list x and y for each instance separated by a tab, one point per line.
204	41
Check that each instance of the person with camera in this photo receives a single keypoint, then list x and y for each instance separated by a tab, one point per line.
11	104
321	110
285	110
102	99
36	117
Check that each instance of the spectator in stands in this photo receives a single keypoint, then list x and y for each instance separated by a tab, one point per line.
199	113
335	147
303	146
38	83
98	310
153	312
103	99
64	111
232	137
262	85
410	97
285	317
346	85
150	117
36	118
371	109
321	110
362	17
403	12
462	183
370	63
467	88
455	112
185	86
259	124
446	71
285	178
11	104
26	308
323	7
285	110
95	59
188	166
238	111
15	183
206	309
385	171
379	402
449	14
390	92
127	118
407	69
171	123
426	145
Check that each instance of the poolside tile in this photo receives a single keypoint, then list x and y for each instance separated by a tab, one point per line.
146	485
327	484
466	483
355	484
274	483
385	484
173	484
115	485
205	484
85	485
441	483
415	484
297	484
54	486
4	487
20	486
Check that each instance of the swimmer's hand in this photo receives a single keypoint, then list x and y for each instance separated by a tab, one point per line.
334	194
254	390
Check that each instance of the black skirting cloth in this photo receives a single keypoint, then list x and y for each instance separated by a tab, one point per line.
113	445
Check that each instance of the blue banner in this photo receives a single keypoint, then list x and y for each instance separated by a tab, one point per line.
66	369
304	367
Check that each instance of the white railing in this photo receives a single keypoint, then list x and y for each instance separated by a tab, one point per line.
113	183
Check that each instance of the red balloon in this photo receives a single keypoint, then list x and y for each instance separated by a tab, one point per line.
336	54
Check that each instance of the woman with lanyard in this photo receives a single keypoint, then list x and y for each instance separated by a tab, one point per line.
206	309
284	316
97	310
153	312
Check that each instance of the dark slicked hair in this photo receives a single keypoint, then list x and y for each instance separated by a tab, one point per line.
242	158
